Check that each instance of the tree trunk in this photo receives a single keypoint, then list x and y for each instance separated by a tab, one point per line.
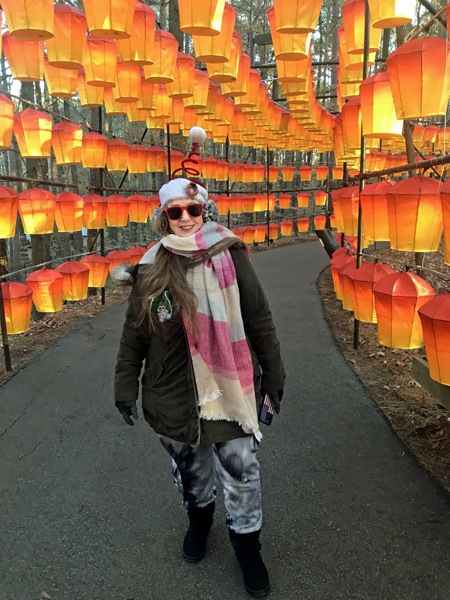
174	23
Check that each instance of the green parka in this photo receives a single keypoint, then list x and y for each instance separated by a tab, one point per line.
169	395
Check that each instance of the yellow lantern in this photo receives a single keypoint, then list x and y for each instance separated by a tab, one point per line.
95	208
135	115
217	48
140	207
100	62
147	99
239	87
29	20
201	88
288	46
118	209
66	49
184	77
61	83
353	15
156	159
350	61
95	147
138	48
164	58
76	280
391	13
163	102
6	122
110	19
377	108
17	302
128	83
47	286
25	58
297	16
33	131
117	156
90	96
251	97
69	212
137	159
227	72
305	173
67	143
112	107
37	210
98	269
200	17
320	198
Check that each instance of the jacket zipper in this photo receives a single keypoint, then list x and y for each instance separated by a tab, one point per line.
194	385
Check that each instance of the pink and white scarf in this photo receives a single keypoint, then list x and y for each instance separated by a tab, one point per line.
221	358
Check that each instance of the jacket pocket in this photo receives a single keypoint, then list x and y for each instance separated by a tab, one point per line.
152	374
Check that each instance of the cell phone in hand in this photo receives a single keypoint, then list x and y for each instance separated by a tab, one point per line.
266	413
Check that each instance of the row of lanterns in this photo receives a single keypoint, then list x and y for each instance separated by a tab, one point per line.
258	233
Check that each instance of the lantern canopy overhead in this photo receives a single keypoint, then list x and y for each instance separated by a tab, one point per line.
110	19
216	49
29	20
66	49
379	119
138	48
201	17
297	16
391	13
25	58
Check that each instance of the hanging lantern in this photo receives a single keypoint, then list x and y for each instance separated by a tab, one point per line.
154	203
286	227
17	303
47	286
305	173
139	208
250	99
320	198
116	258
333	221
297	16
272	201
163	102
135	254
398	298
248	174
184	77
201	18
338	172
217	48
90	96
374	206
98	269
33	131
363	282
353	16
117	156
100	62
260	233
336	263
249	234
222	170
37	210
345	273
288	46
109	19
67	143
164	58
258	173
320	222
435	319
415	214
379	119
118	209
138	48
69	212
176	158
95	208
284	200
235	204
236	172
29	21
94	151
349	208
273	173
321	172
445	199
303	224
223	204
134	115
61	83
156	159
137	159
260	202
6	122
209	168
201	89
65	50
76	280
303	200
147	99
112	107
8	212
415	65
273	231
128	83
240	86
385	14
288	172
239	232
248	203
227	72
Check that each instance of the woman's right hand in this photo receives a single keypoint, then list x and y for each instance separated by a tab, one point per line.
127	412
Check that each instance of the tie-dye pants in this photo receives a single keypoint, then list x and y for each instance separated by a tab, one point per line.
238	470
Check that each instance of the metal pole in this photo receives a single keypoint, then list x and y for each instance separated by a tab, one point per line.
100	183
4	332
268	193
227	148
362	163
169	166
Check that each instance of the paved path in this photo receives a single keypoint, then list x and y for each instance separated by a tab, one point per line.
89	511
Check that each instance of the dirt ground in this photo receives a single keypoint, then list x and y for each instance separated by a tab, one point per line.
421	423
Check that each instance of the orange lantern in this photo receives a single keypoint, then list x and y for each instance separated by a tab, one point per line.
94	151
239	232
445	199
110	19
29	21
33	131
164	58
25	58
69	212
379	119
154	203
385	14
47	286
6	122
303	200
305	173
338	172
65	50
248	203
138	48
118	209
320	222
216	48
398	298
349	208
116	258
249	234
260	233
273	231
258	173
415	214
248	174
67	143
239	87
117	156
162	101
333	221
184	77
435	318
100	62
284	200
375	210
320	198
37	210
201	18
209	168
176	158
137	159
17	303
273	173
135	254
338	260
201	89
353	16
61	83
303	224
156	159
297	16
250	99
128	83
227	72
422	65
98	269
288	172
139	208
288	46
363	298
272	201
321	172
76	280
222	170
235	204
112	107
260	202
345	273
236	172
8	212
95	208
90	96
286	227
223	204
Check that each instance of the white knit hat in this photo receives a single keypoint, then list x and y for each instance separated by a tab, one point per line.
182	188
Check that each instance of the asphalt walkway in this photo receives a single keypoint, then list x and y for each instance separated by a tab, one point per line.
89	511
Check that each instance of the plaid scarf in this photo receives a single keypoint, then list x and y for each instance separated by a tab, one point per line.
221	358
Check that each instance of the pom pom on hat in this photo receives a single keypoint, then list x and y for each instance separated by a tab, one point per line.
197	135
182	188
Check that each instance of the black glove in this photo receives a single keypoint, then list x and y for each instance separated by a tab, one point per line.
127	412
276	398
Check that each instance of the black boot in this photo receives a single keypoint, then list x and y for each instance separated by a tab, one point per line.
200	522
247	547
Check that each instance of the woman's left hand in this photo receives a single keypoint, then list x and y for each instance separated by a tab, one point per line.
276	398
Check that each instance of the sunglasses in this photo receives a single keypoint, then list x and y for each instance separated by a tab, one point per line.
175	212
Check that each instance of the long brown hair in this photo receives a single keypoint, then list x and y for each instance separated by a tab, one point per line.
168	272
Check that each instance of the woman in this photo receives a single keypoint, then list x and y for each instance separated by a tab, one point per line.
199	319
